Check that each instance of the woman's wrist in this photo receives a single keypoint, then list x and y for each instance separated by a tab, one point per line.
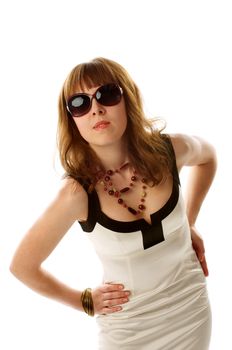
192	222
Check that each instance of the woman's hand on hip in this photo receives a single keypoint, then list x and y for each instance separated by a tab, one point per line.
198	246
108	298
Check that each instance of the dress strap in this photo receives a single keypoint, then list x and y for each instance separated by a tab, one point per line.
175	172
93	209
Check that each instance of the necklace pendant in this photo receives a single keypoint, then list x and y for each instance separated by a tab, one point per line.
108	186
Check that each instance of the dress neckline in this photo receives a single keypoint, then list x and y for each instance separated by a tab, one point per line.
135	225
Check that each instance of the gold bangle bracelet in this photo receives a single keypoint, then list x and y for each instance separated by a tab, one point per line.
87	301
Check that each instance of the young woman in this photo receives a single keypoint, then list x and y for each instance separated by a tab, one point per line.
121	183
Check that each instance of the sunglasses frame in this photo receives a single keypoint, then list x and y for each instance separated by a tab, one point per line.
91	97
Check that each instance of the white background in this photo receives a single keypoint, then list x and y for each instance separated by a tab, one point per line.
179	53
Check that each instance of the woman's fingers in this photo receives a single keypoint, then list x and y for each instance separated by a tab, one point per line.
204	266
109	310
199	248
108	297
110	287
116	295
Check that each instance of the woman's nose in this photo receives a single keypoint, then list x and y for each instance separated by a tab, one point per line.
97	108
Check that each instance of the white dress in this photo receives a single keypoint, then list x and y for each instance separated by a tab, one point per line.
168	308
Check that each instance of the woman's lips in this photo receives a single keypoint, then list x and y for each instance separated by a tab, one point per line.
101	125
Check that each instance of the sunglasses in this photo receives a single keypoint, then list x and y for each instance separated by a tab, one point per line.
107	95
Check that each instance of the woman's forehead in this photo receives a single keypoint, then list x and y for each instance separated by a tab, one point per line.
86	89
86	84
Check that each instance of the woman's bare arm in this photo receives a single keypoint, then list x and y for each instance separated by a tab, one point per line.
41	239
201	156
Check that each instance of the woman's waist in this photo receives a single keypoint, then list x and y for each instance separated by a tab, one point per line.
190	290
148	273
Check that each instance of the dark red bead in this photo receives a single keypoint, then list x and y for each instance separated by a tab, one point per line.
105	188
125	206
111	192
109	172
131	210
144	187
110	183
133	178
120	200
142	200
125	189
116	194
131	184
141	207
143	179
107	178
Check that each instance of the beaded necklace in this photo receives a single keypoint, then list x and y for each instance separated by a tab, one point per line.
105	180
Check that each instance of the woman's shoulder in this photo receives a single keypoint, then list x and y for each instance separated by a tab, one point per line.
181	145
191	150
71	188
72	192
73	197
180	142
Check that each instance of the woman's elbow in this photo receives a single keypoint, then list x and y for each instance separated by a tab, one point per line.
22	270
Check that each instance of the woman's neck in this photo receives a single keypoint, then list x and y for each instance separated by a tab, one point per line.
112	156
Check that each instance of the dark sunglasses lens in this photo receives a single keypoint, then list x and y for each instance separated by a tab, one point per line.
79	105
109	95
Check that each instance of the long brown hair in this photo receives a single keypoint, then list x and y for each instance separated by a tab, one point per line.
148	151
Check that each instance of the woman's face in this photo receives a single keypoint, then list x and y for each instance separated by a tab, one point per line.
102	125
